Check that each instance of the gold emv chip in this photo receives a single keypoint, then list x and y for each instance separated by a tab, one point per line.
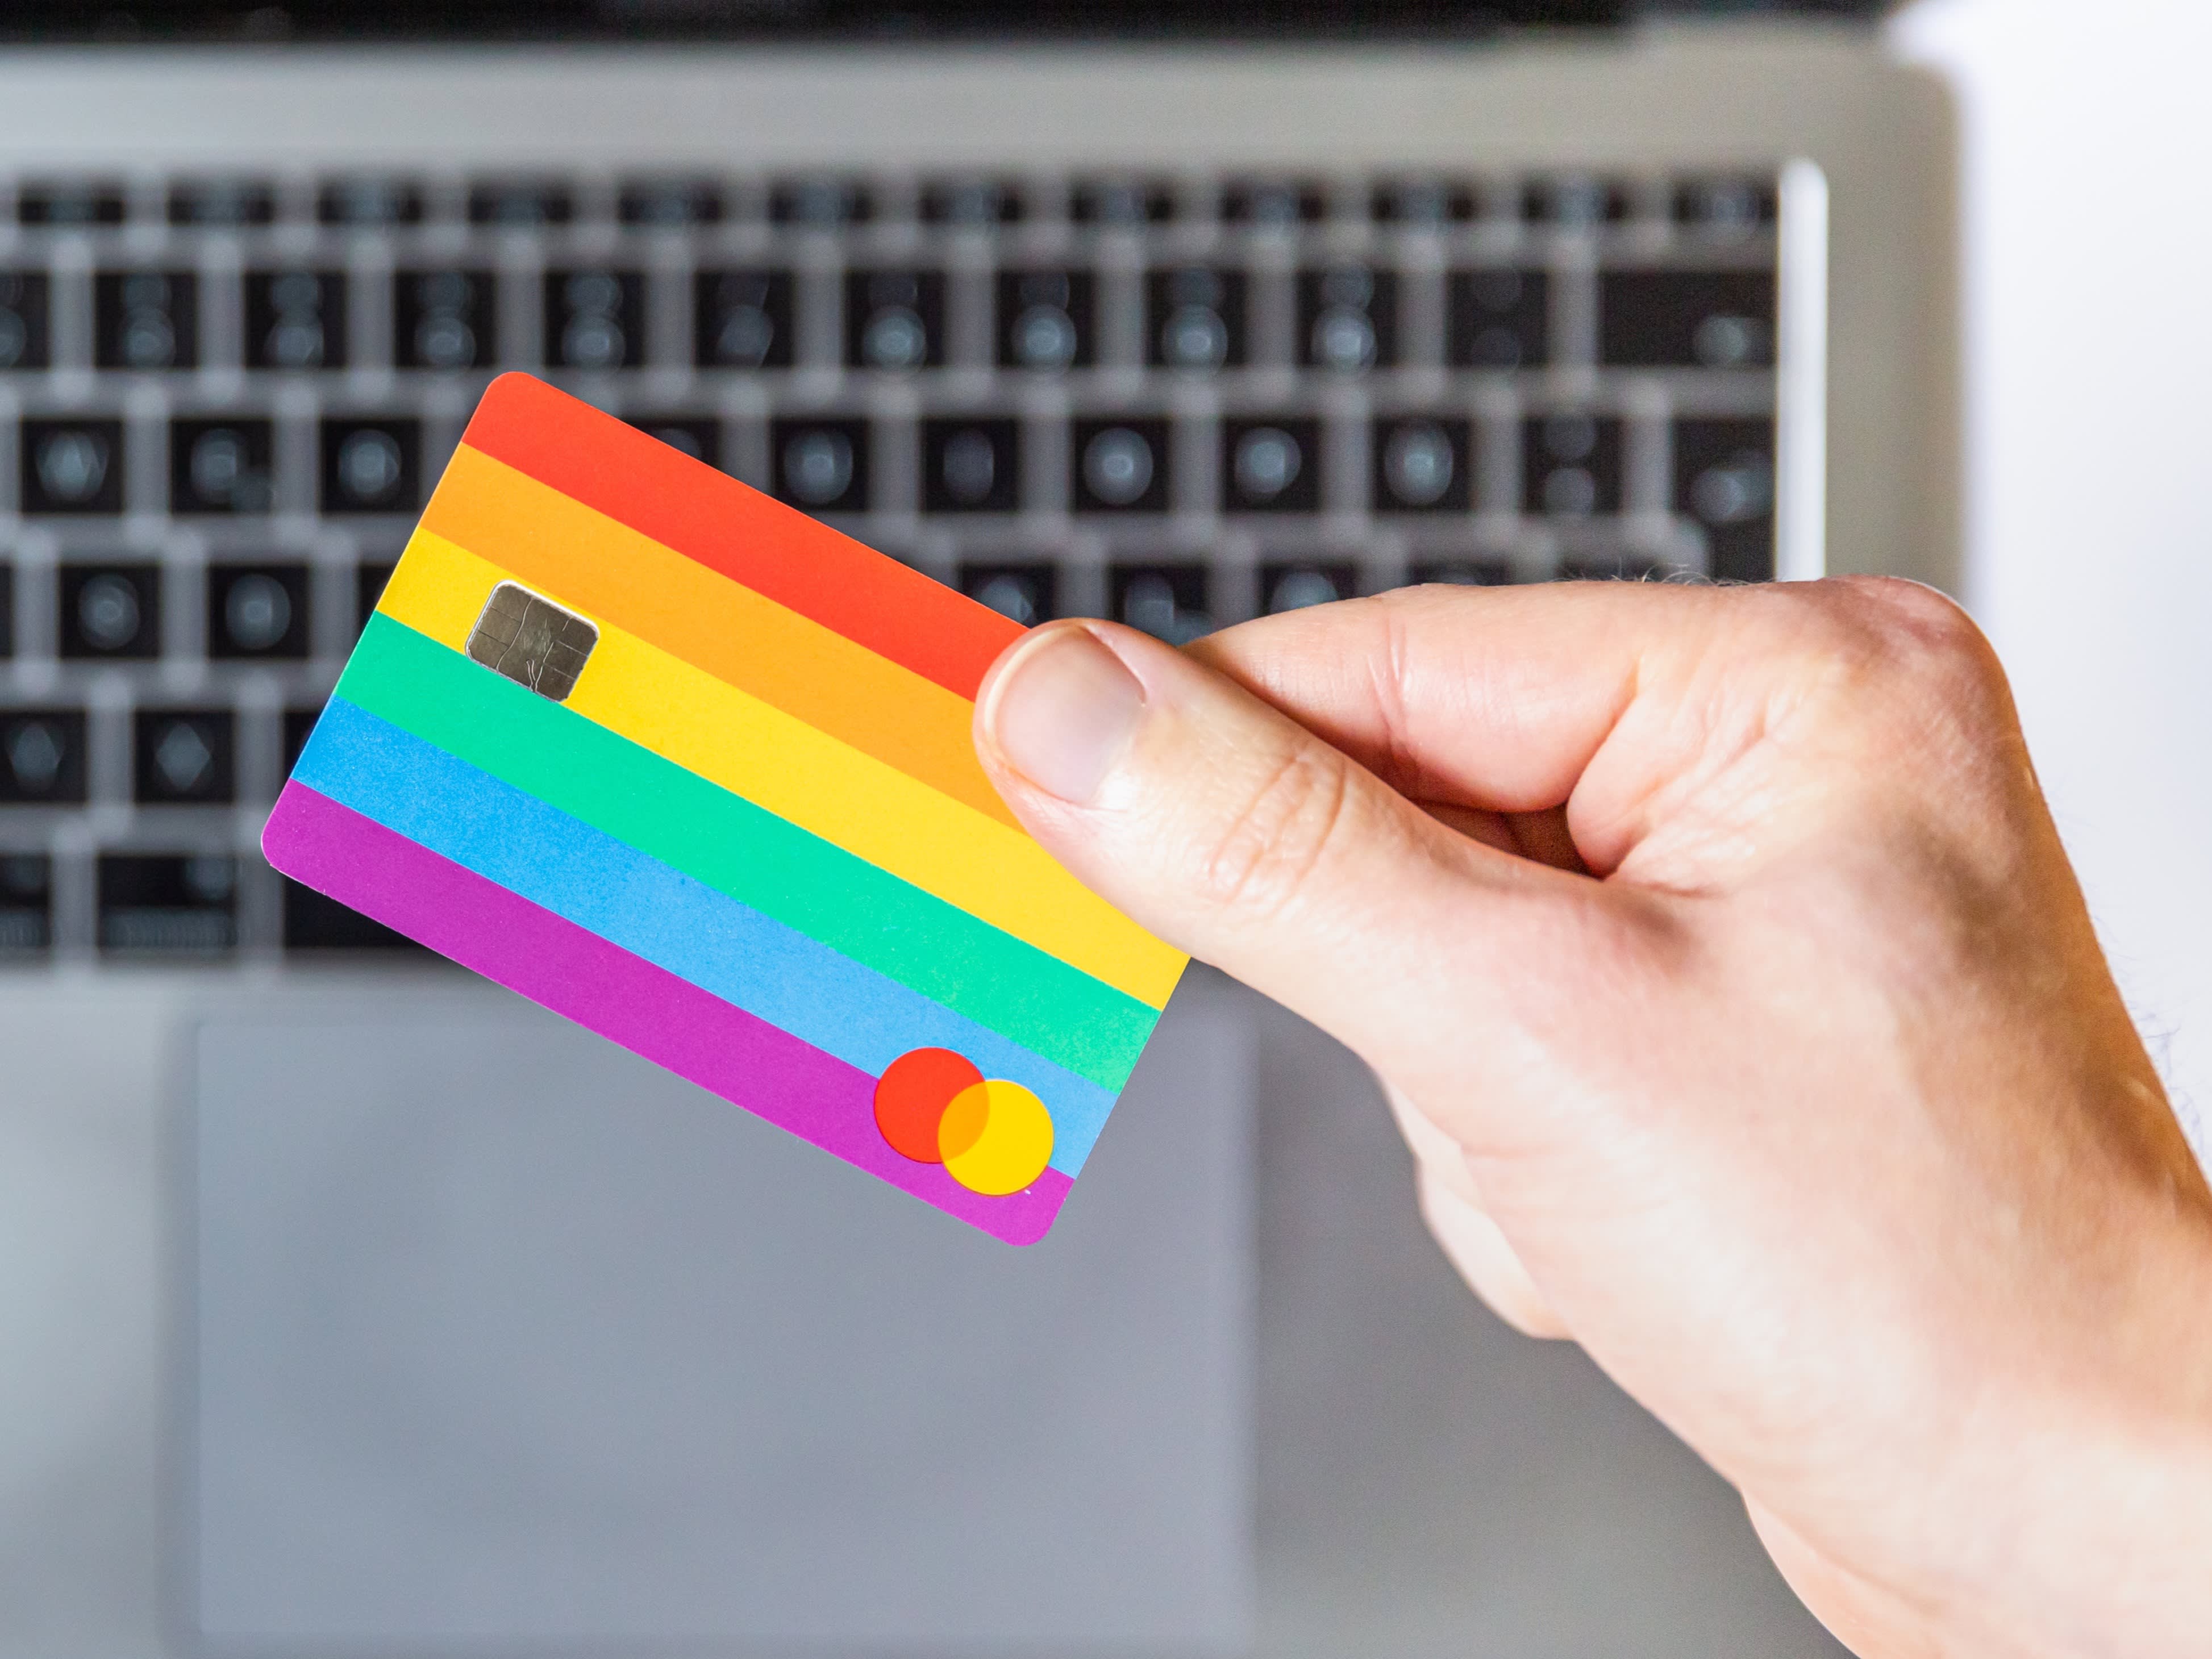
532	641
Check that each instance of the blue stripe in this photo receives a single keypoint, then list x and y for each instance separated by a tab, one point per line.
654	911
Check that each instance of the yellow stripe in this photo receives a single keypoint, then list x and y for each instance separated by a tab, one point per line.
826	787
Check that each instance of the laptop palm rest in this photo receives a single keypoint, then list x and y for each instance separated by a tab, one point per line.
504	1337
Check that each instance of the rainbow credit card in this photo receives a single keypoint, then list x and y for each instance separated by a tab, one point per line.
694	770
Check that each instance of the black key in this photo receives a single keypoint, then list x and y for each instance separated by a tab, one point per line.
1571	466
220	466
1270	466
1118	466
1426	202
819	203
894	319
299	726
1026	593
371	465
257	611
1347	318
296	320
669	201
72	466
314	921
1574	203
1618	566
699	438
168	904
7	610
73	202
1167	601
1687	319
1294	587
1423	466
1498	318
1046	319
1123	204
1274	202
1725	209
1195	319
183	756
26	881
444	319
370	203
971	203
520	204
42	757
26	339
145	319
369	580
1462	572
970	466
231	202
594	319
1724	479
742	318
110	610
820	465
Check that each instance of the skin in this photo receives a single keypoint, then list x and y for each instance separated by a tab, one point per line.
1722	965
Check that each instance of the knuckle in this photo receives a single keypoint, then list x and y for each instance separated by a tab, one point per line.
1268	850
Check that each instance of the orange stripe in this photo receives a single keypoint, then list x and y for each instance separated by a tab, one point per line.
810	671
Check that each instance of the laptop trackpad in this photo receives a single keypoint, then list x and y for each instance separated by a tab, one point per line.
504	1336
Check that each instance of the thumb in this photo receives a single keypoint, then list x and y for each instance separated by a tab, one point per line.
1229	829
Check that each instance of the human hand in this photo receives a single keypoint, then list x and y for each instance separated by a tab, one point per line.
1724	969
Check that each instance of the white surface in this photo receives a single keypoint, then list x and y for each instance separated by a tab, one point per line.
2085	137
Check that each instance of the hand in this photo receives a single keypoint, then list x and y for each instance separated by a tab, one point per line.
1725	971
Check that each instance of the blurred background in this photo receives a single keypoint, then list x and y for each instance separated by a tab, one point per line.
349	1306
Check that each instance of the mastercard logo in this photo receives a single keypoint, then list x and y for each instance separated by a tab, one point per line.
992	1136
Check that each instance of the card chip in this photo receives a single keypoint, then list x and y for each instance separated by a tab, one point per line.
533	640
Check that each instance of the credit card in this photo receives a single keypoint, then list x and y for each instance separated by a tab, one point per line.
694	770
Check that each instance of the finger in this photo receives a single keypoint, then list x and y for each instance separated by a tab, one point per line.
1472	1242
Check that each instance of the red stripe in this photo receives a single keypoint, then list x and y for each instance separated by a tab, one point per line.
658	491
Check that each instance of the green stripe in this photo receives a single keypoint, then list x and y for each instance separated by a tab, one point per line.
675	816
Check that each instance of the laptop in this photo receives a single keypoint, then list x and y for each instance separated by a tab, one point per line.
349	1305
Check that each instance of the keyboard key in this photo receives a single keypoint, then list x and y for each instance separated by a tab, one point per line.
894	319
1498	318
1119	466
820	465
110	610
1431	202
1274	203
971	203
1422	466
1167	601
42	757
369	581
700	438
26	881
168	904
520	204
371	465
314	921
1574	203
1724	479
1571	466
1026	593
72	466
1687	319
296	320
1347	318
594	319
299	726
1270	466
1462	572
1725	209
1046	319
222	201
743	319
444	319
183	757
257	611
370	203
819	203
1294	587
668	202
79	202
970	466
220	466
1195	319
145	319
25	339
1123	204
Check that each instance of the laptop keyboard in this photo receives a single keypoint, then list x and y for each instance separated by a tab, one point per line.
1180	403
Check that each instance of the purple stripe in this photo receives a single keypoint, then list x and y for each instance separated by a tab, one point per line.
647	1010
